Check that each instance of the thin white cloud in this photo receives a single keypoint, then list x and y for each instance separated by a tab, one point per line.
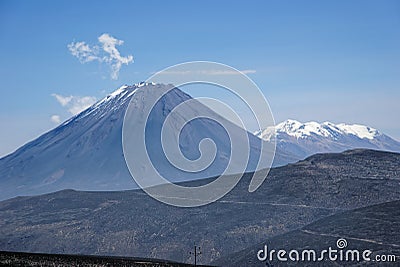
75	104
207	72
83	51
56	119
63	100
114	58
105	52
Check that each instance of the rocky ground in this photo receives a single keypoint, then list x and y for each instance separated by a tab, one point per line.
130	223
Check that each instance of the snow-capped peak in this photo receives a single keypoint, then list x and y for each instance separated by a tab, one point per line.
122	91
141	84
305	139
361	131
326	129
118	91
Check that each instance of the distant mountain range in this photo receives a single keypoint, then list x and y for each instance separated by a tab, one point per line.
305	139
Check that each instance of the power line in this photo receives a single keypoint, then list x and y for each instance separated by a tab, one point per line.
196	252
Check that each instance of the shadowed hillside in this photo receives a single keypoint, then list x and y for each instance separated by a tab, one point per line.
130	223
376	228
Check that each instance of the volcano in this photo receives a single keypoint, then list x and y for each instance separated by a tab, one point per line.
85	152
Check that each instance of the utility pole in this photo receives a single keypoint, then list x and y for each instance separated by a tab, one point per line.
196	253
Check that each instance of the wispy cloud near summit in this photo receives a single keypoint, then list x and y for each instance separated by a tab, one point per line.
75	104
104	52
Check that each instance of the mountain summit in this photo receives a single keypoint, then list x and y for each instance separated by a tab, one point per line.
85	152
304	139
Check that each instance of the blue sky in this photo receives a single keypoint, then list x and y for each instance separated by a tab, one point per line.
314	60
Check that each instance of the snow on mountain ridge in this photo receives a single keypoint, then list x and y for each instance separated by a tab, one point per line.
123	92
306	139
326	129
359	130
